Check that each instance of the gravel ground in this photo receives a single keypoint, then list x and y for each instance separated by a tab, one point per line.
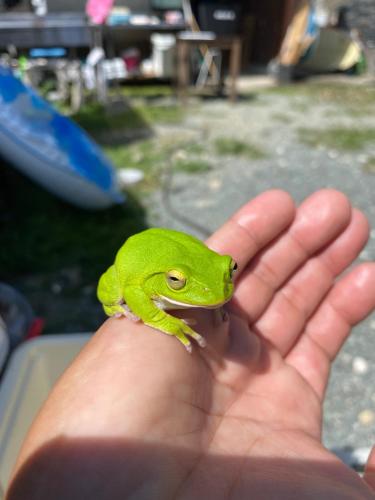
271	121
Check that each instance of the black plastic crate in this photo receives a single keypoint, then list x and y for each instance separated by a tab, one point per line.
221	18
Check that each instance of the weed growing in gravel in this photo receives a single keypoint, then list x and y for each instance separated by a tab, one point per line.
143	155
152	156
234	147
339	138
369	166
282	118
192	166
350	99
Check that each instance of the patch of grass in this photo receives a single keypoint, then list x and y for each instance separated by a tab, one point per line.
152	156
192	166
234	147
144	91
301	107
149	155
43	234
194	148
350	98
282	118
46	86
94	117
332	92
160	113
143	155
146	155
369	166
339	138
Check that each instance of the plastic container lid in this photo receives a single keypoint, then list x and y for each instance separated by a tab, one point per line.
32	371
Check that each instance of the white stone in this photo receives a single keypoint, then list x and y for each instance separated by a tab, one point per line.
129	176
366	417
359	365
203	203
361	455
215	184
333	154
363	159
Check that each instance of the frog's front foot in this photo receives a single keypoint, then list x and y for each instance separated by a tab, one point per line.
185	332
179	328
201	341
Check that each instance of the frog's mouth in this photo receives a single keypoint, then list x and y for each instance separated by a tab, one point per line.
163	302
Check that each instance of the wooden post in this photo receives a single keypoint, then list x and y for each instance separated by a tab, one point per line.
234	66
183	67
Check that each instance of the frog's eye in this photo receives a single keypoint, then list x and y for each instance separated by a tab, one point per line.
233	267
175	280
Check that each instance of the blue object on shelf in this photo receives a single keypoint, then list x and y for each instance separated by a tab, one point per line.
51	149
48	52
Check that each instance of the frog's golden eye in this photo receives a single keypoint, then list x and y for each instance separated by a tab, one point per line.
233	267
175	280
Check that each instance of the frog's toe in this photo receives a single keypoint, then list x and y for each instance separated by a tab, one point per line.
201	341
189	321
129	314
189	347
114	310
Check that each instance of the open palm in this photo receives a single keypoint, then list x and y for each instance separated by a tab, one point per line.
136	416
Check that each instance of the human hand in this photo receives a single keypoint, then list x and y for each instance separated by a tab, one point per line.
135	415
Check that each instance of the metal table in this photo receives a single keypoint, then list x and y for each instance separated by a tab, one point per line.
26	30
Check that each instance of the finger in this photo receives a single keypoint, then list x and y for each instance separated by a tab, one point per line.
296	301
348	303
348	245
319	220
251	228
369	475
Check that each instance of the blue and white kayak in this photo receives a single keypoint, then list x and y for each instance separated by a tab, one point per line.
51	149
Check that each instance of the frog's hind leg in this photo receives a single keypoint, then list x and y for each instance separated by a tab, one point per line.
115	310
119	310
111	296
129	314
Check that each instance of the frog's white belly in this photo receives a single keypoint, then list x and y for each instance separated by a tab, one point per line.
166	303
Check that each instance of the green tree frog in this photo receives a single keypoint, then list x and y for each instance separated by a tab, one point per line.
160	269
